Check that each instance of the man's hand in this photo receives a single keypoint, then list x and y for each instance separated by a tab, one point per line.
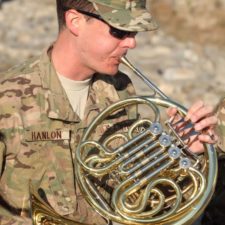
203	123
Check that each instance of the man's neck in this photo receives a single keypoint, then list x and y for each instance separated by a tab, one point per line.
66	61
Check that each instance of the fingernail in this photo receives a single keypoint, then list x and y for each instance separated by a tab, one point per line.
187	118
197	127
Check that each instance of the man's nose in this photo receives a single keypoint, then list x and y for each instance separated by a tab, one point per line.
129	42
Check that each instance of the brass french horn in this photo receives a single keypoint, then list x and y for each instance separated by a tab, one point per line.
140	170
144	173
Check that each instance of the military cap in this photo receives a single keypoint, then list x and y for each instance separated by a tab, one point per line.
129	15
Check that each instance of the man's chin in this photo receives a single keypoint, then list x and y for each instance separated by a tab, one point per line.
113	71
110	72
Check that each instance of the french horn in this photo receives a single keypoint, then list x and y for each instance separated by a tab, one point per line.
140	170
145	173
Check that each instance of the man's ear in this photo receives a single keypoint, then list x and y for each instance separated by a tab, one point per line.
72	19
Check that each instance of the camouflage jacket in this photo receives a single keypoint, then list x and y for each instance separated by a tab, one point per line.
39	134
221	124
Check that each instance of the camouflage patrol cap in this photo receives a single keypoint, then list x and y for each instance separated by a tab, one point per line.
129	15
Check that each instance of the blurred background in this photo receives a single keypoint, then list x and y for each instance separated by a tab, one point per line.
185	57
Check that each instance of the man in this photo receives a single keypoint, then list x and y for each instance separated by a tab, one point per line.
221	124
214	214
47	102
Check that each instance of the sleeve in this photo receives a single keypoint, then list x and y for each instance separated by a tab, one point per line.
220	129
6	129
2	154
6	218
125	89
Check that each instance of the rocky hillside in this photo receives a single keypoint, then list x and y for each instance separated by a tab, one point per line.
185	57
200	21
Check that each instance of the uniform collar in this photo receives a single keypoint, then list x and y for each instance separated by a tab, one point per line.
58	103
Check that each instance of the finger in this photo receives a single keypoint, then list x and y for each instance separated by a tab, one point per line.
213	136
195	107
210	139
201	113
171	111
206	123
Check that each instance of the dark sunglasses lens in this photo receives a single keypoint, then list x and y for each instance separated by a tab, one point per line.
120	34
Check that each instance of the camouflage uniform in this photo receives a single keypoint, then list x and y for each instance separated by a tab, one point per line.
221	124
214	213
40	131
39	134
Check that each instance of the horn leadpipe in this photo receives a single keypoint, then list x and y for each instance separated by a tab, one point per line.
126	62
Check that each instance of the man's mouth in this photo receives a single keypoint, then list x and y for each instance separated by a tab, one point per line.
120	58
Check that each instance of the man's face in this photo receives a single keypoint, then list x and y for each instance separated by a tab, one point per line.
99	50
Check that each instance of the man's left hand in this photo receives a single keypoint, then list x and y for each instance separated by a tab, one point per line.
203	121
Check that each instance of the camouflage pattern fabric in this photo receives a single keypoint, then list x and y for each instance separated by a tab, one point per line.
39	135
130	15
221	124
214	213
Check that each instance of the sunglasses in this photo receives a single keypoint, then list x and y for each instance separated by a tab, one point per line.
117	33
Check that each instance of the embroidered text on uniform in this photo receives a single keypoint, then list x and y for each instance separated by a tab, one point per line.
46	135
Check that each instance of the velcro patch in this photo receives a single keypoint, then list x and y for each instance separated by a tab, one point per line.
47	135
